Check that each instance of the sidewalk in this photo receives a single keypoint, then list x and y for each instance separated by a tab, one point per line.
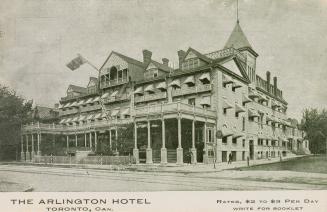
170	167
14	187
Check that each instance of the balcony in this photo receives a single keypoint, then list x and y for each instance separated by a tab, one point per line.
114	82
68	111
151	97
90	108
174	108
190	90
117	98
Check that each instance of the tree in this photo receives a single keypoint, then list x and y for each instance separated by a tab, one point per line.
14	111
314	123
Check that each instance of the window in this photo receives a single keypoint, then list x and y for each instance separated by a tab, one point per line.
243	123
190	64
225	111
209	135
211	154
224	140
234	141
155	73
191	101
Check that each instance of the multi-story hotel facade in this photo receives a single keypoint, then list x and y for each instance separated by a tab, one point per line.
212	105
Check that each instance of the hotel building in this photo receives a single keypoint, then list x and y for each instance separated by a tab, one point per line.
212	105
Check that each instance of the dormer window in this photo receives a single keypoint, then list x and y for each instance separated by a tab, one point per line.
151	73
190	64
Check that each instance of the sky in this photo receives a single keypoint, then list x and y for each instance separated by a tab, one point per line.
39	37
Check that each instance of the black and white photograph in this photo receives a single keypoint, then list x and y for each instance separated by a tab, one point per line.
163	96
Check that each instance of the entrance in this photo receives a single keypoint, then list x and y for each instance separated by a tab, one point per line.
224	156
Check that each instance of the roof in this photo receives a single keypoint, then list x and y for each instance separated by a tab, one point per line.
130	60
77	89
237	38
42	112
198	54
161	66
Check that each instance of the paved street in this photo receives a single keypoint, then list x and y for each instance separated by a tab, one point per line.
77	179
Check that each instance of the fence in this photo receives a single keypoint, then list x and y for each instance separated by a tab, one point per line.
96	160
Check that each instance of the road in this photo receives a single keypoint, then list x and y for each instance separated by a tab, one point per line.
77	179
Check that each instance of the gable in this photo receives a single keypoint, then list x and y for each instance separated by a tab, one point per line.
151	66
70	89
114	60
190	55
91	83
232	66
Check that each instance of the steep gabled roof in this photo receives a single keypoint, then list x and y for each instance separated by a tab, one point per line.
198	54
77	89
160	66
130	60
42	112
237	38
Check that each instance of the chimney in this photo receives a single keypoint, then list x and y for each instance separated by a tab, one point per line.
181	55
147	56
56	106
275	86
165	61
268	81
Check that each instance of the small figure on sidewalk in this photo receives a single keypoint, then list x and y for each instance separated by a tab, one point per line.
230	158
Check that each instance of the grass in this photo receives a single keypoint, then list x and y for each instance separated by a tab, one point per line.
311	164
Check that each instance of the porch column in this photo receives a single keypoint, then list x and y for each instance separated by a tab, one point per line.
110	142
22	154
32	151
95	141
38	143
116	138
67	142
179	150
148	149
90	140
135	150
76	139
27	150
85	139
205	150
193	149
163	138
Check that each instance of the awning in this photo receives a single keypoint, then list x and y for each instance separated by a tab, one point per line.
138	90
90	117
205	101
62	121
253	113
227	105
82	118
125	111
60	106
205	76
115	112
97	116
75	119
103	115
236	84
96	99
81	102
246	99
162	86
189	80
113	94
74	104
269	119
238	135
227	132
263	98
68	120
261	112
89	101
253	94
239	108
105	95
175	83
67	105
149	88
227	79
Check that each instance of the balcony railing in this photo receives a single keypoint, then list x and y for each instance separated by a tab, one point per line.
151	97
173	108
90	108
190	90
116	98
117	81
68	111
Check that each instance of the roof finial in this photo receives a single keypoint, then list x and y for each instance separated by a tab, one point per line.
238	21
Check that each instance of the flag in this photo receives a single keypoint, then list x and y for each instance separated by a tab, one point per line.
76	63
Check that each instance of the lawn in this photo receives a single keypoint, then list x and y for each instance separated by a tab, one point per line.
313	164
